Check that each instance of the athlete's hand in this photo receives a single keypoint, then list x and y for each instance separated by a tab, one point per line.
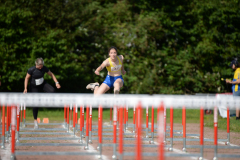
228	81
97	73
58	86
25	91
124	72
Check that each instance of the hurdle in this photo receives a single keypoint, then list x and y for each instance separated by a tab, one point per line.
121	101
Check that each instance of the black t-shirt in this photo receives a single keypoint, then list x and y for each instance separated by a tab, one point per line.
36	73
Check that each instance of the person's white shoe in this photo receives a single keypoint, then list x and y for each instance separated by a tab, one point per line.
35	125
92	85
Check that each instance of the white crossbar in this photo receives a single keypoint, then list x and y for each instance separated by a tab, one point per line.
106	100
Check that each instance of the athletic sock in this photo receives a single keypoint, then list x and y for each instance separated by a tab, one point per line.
237	118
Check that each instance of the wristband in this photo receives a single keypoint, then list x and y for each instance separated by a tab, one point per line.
57	82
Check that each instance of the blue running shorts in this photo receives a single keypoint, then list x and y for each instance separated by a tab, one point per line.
109	80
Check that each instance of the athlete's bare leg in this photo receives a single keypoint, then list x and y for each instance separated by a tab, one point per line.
117	85
102	89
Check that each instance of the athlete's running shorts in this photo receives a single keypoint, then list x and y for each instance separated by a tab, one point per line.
109	80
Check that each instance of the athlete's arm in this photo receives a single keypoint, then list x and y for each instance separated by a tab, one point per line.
235	82
26	82
54	78
103	65
123	70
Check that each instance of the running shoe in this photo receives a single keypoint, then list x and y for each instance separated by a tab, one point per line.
35	125
92	85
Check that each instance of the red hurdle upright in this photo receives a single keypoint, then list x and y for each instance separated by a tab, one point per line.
68	118
7	126
215	131
24	112
228	126
171	129
70	124
152	127
161	131
18	122
184	127
87	126
127	117
65	116
13	125
21	120
201	131
81	123
121	132
114	131
90	125
74	119
147	122
139	131
100	132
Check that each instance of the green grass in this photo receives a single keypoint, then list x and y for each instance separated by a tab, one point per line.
192	116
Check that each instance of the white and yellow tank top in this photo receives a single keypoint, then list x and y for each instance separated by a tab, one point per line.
112	68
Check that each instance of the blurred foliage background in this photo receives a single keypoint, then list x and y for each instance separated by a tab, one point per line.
170	47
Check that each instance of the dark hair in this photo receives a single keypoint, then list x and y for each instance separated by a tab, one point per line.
112	48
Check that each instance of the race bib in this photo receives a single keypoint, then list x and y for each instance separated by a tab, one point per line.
116	68
39	81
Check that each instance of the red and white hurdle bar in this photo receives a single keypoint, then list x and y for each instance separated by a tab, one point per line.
123	100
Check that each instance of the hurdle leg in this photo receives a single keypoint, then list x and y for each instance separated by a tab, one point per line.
3	127
121	133
74	114
68	119
152	127
184	127
114	156
171	129
134	114
165	124
87	121
147	122
139	130
13	132
90	125
71	122
18	122
7	126
215	132
21	117
161	131
24	116
127	117
100	133
81	122
65	116
201	132
228	127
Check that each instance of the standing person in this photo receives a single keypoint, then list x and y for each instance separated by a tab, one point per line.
37	83
114	65
235	82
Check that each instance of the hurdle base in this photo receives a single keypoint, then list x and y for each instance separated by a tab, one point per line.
98	148
215	158
184	150
170	149
114	157
13	157
200	158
